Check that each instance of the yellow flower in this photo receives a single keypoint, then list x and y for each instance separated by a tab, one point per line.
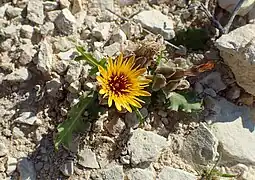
122	83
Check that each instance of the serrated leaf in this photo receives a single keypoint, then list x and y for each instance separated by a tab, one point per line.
183	102
73	121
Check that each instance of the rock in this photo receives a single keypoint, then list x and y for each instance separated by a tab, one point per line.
52	15
11	165
162	113
27	118
237	48
233	93
229	5
106	15
27	53
139	174
64	3
67	169
156	22
210	92
62	45
60	67
168	173
102	31
77	6
131	29
47	28
112	49
200	147
125	159
212	105
73	71
251	16
115	126
52	87
74	87
198	88
118	36
132	120
88	159
246	98
26	170
17	133
6	45
10	31
50	5
213	80
35	11
19	75
13	12
113	173
90	21
3	149
45	59
68	55
26	31
234	128
3	10
66	22
145	146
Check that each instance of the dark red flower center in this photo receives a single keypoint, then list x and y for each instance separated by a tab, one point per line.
119	83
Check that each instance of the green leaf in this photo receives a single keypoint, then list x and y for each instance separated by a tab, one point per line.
185	102
87	56
73	121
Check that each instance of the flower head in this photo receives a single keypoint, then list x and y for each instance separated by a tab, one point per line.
123	83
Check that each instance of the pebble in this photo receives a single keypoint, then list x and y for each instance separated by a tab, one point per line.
26	31
113	173
102	31
162	113
67	168
246	98
156	22
19	75
112	49
35	11
3	149
168	173
214	81
77	6
13	12
45	57
200	146
53	86
73	72
27	53
47	28
88	159
115	126
50	5
66	22
17	133
139	174
64	3
27	118
6	45
233	93
118	36
26	169
145	146
125	159
52	15
210	92
11	165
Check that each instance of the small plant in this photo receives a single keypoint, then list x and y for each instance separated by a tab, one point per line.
213	173
126	82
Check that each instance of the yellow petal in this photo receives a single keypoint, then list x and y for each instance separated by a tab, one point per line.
102	91
102	71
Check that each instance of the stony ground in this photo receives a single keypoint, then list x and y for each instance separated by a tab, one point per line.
39	81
